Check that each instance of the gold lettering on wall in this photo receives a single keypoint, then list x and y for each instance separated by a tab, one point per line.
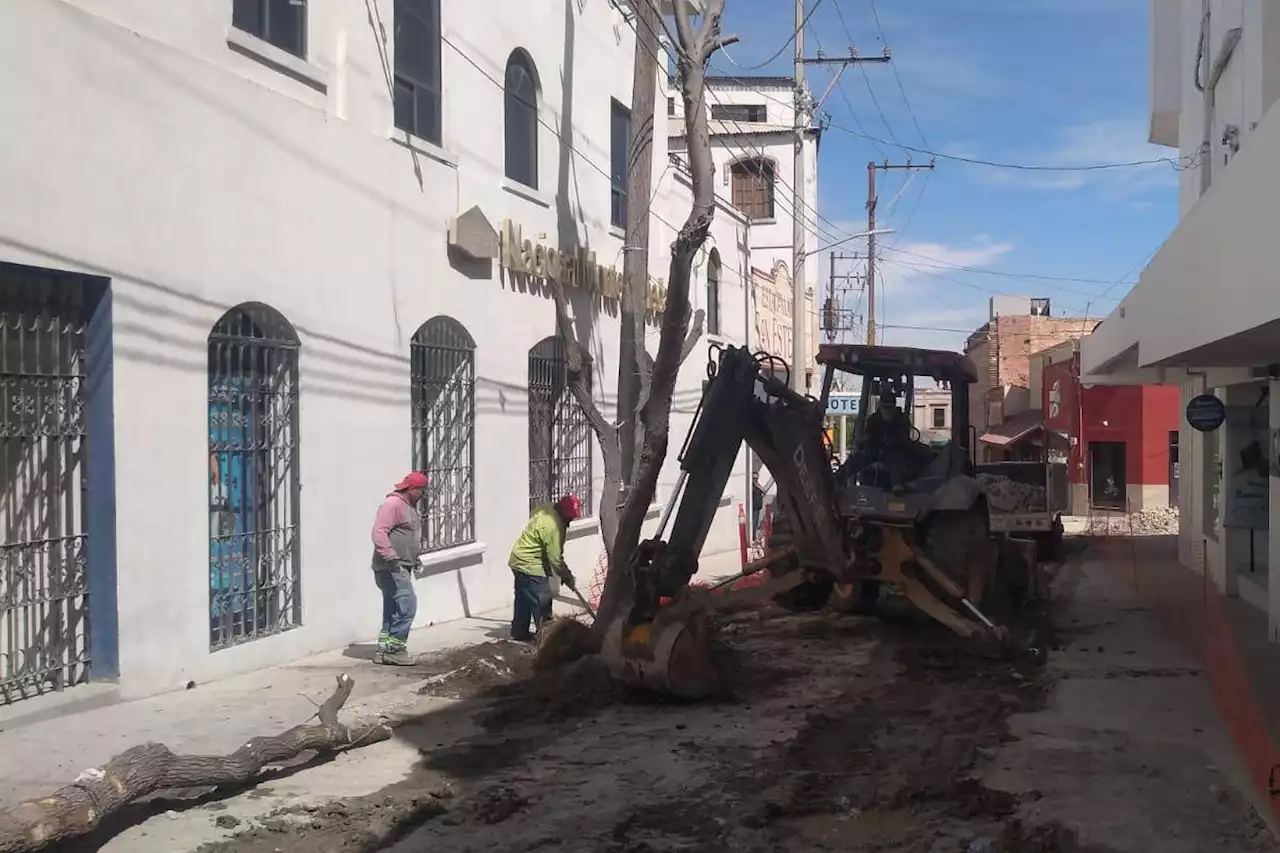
572	269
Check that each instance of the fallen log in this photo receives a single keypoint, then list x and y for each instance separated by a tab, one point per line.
97	793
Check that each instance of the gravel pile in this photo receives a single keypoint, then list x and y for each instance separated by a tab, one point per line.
1007	495
1157	521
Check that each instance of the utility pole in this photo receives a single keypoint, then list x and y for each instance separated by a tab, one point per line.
803	118
872	168
836	319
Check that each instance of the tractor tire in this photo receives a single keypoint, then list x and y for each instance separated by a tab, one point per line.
808	597
952	537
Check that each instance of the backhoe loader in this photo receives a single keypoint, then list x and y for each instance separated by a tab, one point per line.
918	521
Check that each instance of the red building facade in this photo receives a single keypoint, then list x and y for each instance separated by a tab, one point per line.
1120	440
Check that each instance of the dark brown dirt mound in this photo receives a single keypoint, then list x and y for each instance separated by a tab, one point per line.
471	672
576	689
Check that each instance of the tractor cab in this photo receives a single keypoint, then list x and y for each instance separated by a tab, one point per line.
892	457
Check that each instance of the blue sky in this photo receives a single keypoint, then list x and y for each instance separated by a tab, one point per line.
1041	82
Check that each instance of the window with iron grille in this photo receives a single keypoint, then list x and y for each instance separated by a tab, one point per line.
255	579
619	139
520	119
442	368
417	68
282	23
44	440
939	417
713	293
752	186
559	434
740	112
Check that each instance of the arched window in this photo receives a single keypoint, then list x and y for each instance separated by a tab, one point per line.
442	369
255	580
752	185
521	119
559	435
713	293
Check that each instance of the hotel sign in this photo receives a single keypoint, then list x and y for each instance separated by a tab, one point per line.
572	268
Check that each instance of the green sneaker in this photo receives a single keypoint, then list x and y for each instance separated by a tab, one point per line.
398	657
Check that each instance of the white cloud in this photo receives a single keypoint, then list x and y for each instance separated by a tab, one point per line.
1093	143
911	294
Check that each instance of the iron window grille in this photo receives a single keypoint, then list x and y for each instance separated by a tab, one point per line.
417	69
752	188
282	23
255	580
44	622
619	140
520	120
559	433
442	367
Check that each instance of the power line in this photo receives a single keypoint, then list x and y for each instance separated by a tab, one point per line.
875	13
1191	161
938	263
780	50
867	79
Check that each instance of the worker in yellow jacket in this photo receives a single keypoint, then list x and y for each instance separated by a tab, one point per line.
538	552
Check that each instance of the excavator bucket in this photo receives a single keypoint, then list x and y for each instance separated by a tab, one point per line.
672	653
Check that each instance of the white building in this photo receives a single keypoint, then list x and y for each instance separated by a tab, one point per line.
1206	311
249	276
753	145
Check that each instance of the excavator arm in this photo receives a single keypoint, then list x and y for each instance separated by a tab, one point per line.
743	403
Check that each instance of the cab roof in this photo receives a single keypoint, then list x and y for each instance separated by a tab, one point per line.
866	360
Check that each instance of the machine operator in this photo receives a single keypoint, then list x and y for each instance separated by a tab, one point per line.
884	439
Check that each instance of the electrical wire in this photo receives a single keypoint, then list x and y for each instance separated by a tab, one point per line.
866	78
1186	163
937	263
790	41
731	272
893	66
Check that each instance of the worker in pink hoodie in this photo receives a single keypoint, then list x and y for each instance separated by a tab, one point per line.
397	543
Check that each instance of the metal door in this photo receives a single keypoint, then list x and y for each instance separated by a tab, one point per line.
44	626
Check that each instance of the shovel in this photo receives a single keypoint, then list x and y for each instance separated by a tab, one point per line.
584	603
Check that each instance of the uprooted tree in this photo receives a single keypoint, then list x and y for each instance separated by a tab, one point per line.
99	793
634	445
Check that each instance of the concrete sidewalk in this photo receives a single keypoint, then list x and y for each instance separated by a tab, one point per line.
46	742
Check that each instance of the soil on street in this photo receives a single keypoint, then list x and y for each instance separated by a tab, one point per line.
843	733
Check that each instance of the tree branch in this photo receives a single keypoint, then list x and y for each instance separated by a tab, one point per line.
98	793
577	360
691	339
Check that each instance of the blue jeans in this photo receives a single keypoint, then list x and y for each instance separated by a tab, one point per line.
532	603
399	606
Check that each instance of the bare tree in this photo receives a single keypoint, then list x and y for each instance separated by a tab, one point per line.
634	446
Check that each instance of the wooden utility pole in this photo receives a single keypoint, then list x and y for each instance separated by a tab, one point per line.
804	107
635	257
872	168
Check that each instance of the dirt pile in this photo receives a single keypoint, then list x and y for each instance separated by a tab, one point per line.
1155	521
470	672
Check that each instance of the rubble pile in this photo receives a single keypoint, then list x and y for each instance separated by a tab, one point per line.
1157	521
1007	495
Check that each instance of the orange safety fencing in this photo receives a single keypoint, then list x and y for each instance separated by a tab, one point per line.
1192	611
755	551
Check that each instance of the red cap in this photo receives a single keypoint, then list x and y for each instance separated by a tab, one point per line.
570	507
412	480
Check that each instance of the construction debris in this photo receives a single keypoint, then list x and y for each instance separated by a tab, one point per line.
1006	495
1156	521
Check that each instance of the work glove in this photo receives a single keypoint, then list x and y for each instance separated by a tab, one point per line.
568	580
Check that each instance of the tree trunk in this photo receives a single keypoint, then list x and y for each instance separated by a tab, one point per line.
96	794
694	49
633	365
